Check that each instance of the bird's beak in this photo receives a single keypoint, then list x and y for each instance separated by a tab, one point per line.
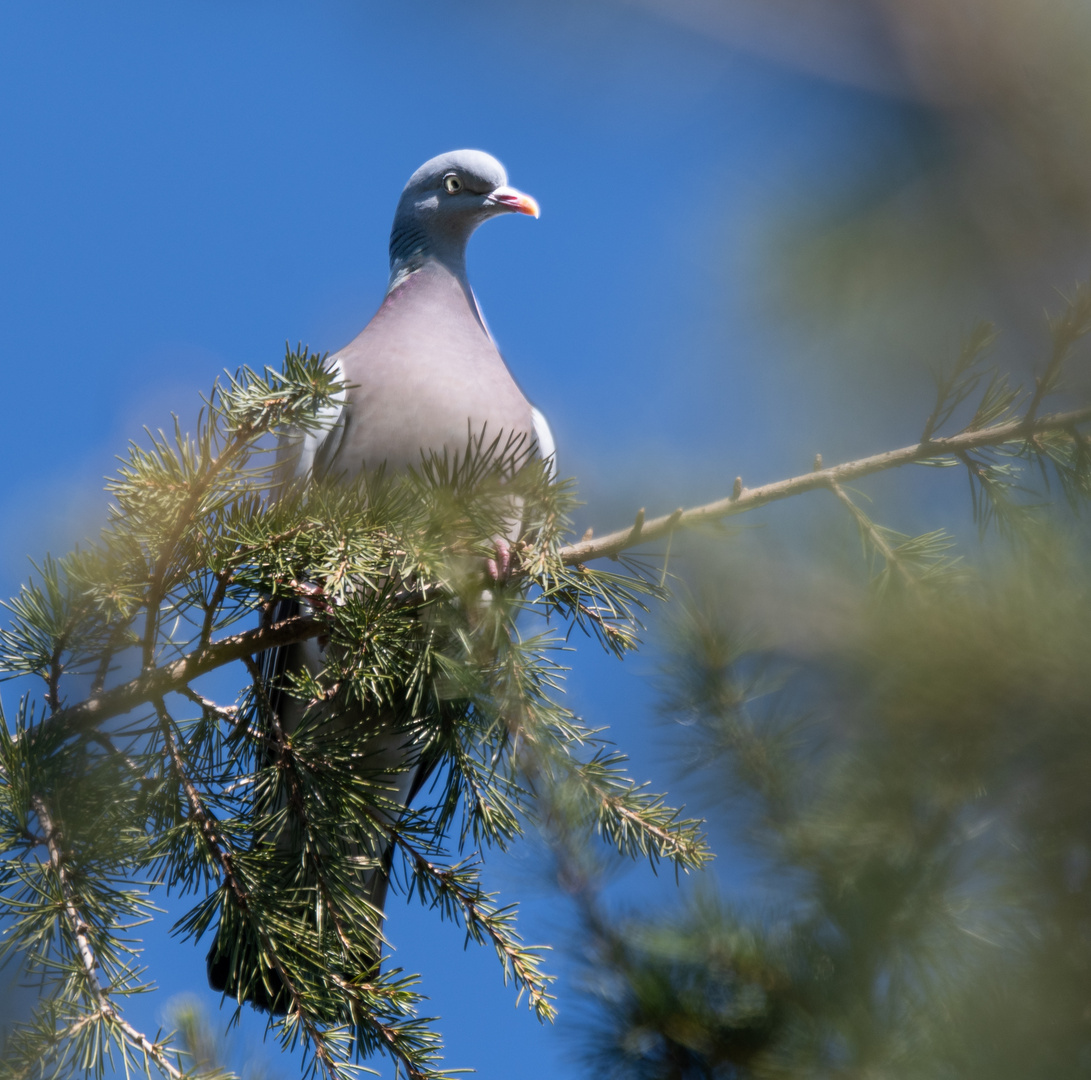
511	199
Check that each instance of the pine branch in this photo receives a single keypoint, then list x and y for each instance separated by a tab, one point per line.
80	932
220	848
873	535
1014	432
483	919
389	571
176	676
1073	325
962	380
184	517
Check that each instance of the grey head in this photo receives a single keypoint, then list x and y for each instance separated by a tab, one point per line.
444	201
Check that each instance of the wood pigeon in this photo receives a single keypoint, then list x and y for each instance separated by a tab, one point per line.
422	376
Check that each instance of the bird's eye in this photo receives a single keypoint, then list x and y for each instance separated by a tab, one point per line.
452	183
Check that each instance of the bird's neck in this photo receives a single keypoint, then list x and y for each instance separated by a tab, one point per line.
402	269
411	248
428	277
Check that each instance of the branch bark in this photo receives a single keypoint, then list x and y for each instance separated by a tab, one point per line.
174	676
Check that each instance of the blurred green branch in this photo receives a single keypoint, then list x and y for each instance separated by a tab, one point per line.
909	793
1016	437
987	445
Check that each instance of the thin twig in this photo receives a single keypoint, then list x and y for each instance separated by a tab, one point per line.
112	643
874	534
228	713
53	683
1074	324
531	980
223	579
155	595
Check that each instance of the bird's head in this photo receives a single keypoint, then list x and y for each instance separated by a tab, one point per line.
446	199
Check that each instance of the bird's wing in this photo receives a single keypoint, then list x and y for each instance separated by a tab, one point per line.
547	448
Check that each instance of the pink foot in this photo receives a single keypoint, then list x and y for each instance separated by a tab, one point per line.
499	568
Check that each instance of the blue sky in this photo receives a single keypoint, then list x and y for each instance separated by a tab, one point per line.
185	187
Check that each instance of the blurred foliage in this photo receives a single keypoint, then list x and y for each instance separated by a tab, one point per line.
206	1049
965	164
913	786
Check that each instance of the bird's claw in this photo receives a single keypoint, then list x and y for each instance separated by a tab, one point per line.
316	596
499	569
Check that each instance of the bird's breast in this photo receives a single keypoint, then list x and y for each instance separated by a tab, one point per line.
427	376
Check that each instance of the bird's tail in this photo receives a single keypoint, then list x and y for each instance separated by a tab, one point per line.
247	961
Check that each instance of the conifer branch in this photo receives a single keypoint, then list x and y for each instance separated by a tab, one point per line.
223	580
243	412
109	651
172	677
209	707
1073	325
77	926
873	533
219	846
175	676
183	520
1017	432
298	804
483	919
389	572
